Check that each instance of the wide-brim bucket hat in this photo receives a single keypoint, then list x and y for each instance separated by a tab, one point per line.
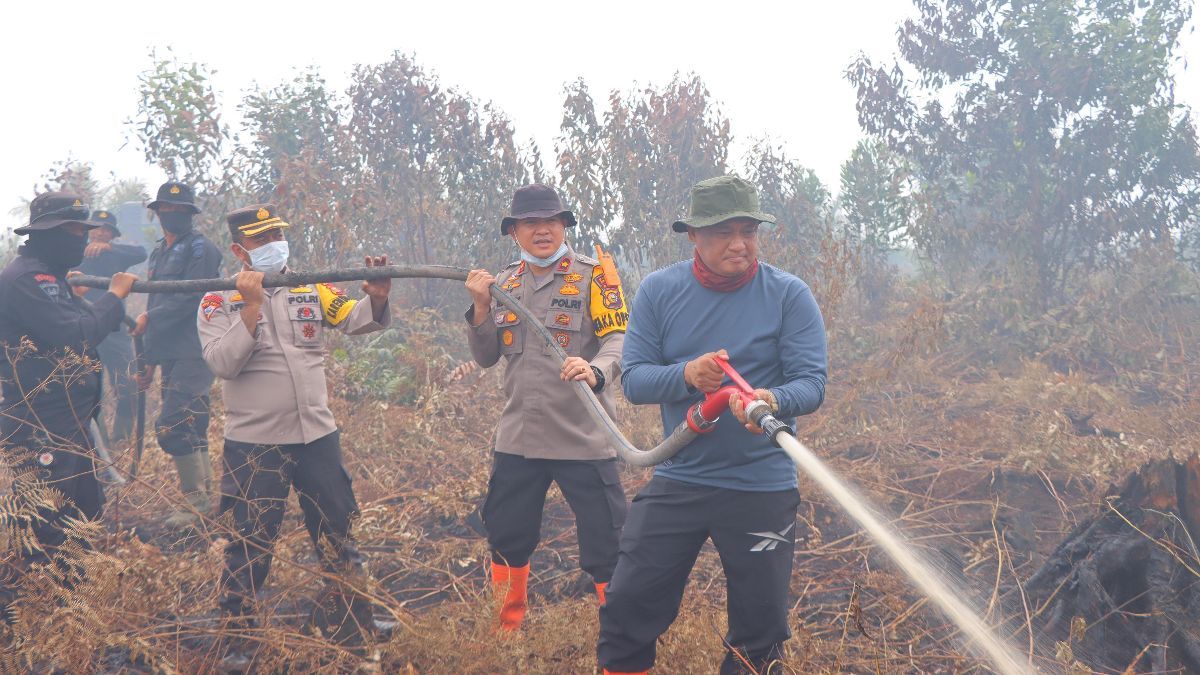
536	201
52	209
719	199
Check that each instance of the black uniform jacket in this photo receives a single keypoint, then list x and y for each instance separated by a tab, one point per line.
49	369
171	328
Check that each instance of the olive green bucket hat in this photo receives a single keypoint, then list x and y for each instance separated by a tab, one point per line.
719	199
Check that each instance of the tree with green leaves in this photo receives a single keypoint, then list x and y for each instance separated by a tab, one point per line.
653	145
795	195
875	196
1044	136
178	122
296	117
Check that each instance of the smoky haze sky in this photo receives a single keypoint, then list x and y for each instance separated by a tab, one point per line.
776	69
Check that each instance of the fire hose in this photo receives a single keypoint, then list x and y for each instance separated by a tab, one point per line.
700	418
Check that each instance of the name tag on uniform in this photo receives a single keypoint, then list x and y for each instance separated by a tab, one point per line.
302	299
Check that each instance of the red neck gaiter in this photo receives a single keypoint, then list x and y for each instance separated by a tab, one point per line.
721	284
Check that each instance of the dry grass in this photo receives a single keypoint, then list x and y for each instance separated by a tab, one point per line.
983	447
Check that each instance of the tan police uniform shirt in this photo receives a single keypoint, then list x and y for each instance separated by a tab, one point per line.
274	388
543	418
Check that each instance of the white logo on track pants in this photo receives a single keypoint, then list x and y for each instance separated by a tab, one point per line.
770	539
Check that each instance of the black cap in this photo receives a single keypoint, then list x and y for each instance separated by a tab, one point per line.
174	192
536	201
51	209
250	220
105	218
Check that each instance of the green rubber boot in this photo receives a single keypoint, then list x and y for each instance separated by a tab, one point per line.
192	484
210	483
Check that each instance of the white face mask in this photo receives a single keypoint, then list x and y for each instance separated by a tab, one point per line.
544	262
270	257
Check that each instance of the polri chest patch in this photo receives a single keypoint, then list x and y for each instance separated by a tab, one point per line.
304	313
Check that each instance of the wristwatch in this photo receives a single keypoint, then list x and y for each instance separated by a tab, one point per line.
599	380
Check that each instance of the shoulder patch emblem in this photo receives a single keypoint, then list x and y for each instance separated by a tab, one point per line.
607	304
210	304
564	264
334	303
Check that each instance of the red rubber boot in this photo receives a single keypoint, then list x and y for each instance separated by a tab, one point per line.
511	582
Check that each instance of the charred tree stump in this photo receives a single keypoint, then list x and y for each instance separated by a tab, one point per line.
1130	575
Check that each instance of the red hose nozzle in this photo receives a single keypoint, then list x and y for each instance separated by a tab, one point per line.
702	417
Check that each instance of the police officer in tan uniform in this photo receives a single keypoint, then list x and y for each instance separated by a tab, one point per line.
266	345
545	435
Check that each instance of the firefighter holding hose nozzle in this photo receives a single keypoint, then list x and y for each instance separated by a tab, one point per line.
737	489
545	434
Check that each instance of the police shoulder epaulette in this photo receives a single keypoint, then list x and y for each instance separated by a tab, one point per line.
586	260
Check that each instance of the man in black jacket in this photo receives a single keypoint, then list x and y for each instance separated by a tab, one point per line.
49	371
104	257
173	346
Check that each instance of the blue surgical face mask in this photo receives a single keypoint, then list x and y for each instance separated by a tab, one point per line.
544	262
270	257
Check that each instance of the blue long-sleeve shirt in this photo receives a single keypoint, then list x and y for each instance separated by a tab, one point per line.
773	331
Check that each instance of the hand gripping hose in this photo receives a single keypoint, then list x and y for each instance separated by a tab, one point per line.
700	418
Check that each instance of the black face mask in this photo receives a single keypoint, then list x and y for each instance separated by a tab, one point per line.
176	222
59	249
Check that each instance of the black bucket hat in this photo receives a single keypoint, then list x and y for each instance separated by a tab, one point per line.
174	192
536	201
719	199
104	218
51	209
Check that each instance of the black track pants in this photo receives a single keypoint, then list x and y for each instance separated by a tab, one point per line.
517	489
255	487
183	423
755	535
64	462
116	353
